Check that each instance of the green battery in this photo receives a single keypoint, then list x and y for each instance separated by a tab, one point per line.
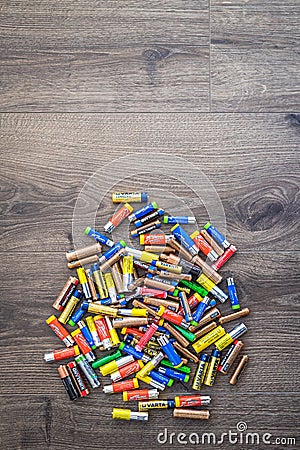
106	359
167	363
186	333
195	287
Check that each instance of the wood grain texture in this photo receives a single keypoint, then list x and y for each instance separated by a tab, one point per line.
104	56
50	421
250	159
255	55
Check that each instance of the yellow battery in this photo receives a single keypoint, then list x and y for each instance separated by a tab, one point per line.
208	339
148	257
155	404
114	337
100	283
69	308
205	282
95	308
212	368
224	342
109	281
127	264
81	275
200	372
169	267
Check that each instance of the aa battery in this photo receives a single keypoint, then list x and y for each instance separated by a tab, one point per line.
200	372
140	394
84	252
87	371
212	369
238	371
77	379
187	401
68	382
230	357
156	404
66	293
182	413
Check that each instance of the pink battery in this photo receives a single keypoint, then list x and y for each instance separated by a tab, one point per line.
146	337
156	293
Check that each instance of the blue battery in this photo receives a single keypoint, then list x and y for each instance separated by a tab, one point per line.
135	353
112	251
169	351
200	310
143	211
99	237
185	240
174	374
87	334
235	304
161	378
216	235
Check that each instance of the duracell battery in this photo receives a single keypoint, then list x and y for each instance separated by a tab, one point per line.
243	312
183	413
77	379
68	382
206	329
84	252
184	351
66	293
177	335
238	371
219	250
213	314
107	264
91	284
159	249
82	262
230	357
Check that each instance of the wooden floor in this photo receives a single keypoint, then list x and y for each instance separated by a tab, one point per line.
84	83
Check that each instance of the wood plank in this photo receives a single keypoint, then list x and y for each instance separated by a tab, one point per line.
40	185
104	56
52	421
254	55
261	283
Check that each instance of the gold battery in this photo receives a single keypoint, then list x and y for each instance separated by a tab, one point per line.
84	252
211	372
68	310
200	373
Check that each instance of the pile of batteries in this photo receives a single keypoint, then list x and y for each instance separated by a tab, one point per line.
147	307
